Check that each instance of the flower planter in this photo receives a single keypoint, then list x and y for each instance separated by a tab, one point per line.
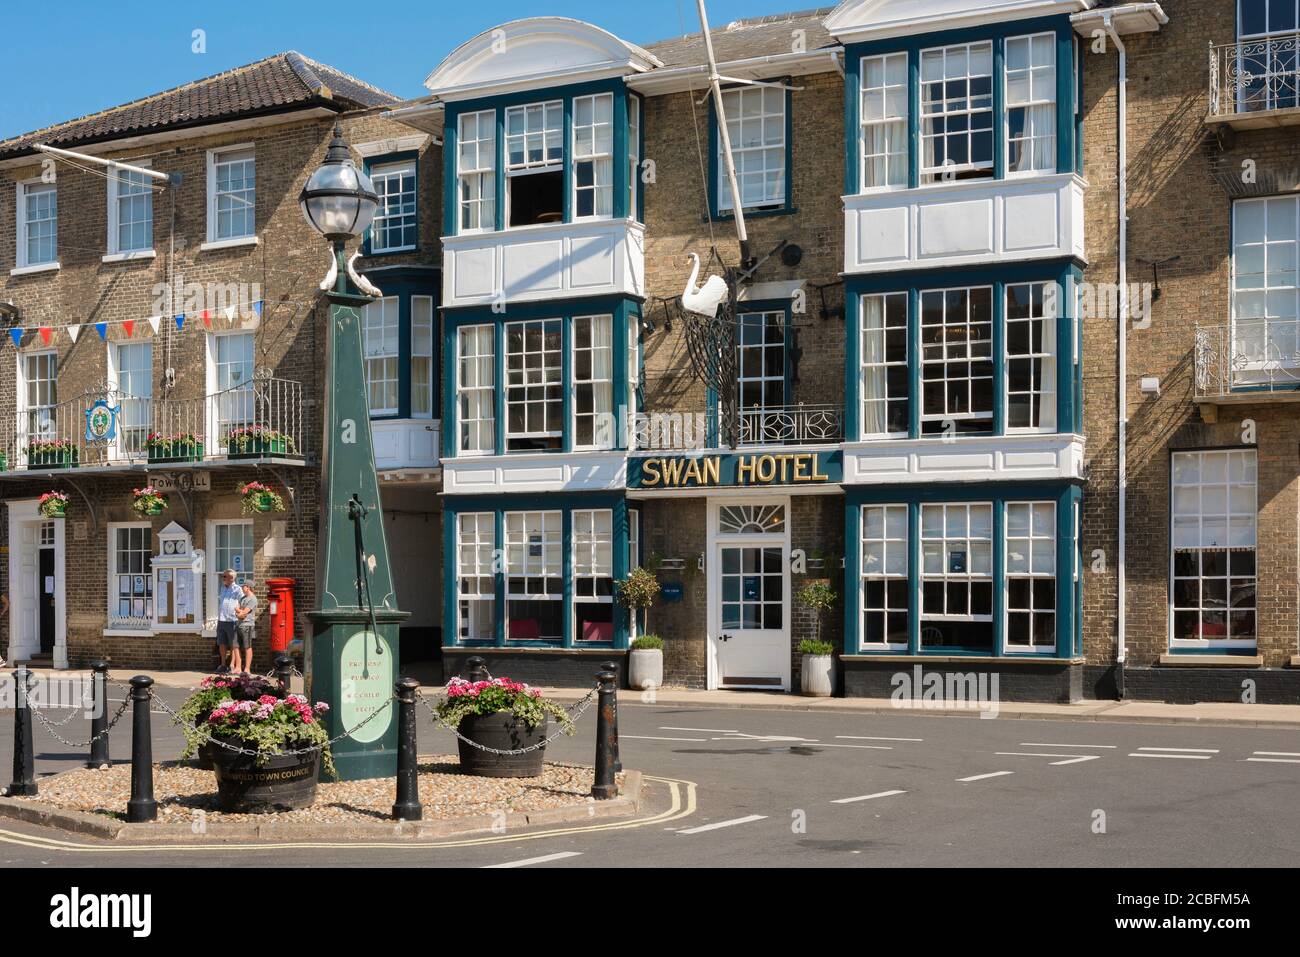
256	448
204	756
817	676
63	459
502	731
176	452
645	668
280	782
264	503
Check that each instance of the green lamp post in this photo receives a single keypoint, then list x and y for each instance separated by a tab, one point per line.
352	655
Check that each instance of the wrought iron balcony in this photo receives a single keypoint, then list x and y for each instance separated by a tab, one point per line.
262	418
785	425
1241	360
1256	83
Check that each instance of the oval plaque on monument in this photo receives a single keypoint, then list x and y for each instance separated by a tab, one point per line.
365	684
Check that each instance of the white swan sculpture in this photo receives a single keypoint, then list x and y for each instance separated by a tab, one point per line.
364	284
706	299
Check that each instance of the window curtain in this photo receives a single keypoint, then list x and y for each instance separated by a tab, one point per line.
874	406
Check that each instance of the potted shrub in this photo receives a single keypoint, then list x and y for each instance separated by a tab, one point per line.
270	779
501	714
817	670
252	441
148	500
178	447
52	454
637	593
260	498
645	665
212	692
53	504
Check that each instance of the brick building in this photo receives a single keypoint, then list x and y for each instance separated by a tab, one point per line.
167	331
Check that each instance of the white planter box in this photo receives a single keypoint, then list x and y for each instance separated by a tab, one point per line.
645	669
817	676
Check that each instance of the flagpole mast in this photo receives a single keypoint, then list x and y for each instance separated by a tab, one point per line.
725	138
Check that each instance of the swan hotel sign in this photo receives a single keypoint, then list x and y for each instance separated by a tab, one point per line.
744	470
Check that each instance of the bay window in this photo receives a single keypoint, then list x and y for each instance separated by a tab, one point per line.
422	357
884	113
957	112
633	157
756	124
476	158
957	576
534	396
1031	576
476	576
593	156
534	576
883	381
593	575
476	389
593	382
1031	103
1212	554
535	163
884	585
957	361
1031	358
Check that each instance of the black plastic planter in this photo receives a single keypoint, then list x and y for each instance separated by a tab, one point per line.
505	732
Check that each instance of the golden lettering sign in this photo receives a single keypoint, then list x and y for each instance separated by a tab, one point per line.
781	468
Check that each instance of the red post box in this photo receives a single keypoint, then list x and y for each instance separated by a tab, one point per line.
279	598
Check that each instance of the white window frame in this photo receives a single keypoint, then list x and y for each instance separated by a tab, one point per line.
893	126
1031	136
475	566
602	387
215	567
589	541
422	324
745	372
744	151
129	400
481	388
873	360
985	169
1043	398
117	179
1273	339
633	155
526	386
382	172
970	576
1268	32
884	549
379	352
476	183
24	405
218	407
533	569
946	360
1035	545
547	163
586	148
21	191
128	625
1240	522
215	158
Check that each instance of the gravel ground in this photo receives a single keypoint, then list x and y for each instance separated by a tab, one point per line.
181	789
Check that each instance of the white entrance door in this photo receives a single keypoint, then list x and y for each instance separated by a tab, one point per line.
749	595
36	593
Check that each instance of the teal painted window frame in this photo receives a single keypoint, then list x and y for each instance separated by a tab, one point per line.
404	284
1069	156
499	505
1069	607
715	171
1069	379
621	308
499	105
388	159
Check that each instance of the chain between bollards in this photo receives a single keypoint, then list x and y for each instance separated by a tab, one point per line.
142	807
24	779
99	722
407	806
604	786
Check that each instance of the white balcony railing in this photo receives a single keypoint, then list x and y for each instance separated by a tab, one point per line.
1249	355
1254	77
786	425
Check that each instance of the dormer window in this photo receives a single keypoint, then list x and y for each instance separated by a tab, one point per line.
535	164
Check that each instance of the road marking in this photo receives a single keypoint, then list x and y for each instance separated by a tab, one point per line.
544	859
867	737
741	736
1043	744
981	777
713	827
868	797
1086	757
651	737
1185	750
1188	757
1034	754
865	747
1276	760
709	730
1278	754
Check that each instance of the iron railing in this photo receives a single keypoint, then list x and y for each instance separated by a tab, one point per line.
1255	76
785	425
1248	355
260	418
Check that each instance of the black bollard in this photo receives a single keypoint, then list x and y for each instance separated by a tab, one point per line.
604	786
475	669
142	807
613	666
283	671
408	806
24	781
99	718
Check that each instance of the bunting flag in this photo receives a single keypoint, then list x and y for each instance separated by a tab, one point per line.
46	332
73	332
154	322
129	326
180	322
230	314
257	308
102	329
207	319
17	336
246	313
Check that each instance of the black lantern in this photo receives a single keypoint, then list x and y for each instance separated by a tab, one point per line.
339	201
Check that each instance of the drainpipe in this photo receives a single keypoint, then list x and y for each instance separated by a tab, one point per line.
1122	389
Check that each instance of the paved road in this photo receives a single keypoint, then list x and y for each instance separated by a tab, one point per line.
754	788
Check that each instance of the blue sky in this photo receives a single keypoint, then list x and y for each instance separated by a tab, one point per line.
68	59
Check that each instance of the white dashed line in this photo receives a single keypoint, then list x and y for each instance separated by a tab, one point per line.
1276	760
1277	754
865	747
709	730
1086	757
713	827
1030	754
868	797
981	777
1043	744
1184	750
537	860
651	737
1186	757
866	737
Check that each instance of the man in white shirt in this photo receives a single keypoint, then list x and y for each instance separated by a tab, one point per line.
228	597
